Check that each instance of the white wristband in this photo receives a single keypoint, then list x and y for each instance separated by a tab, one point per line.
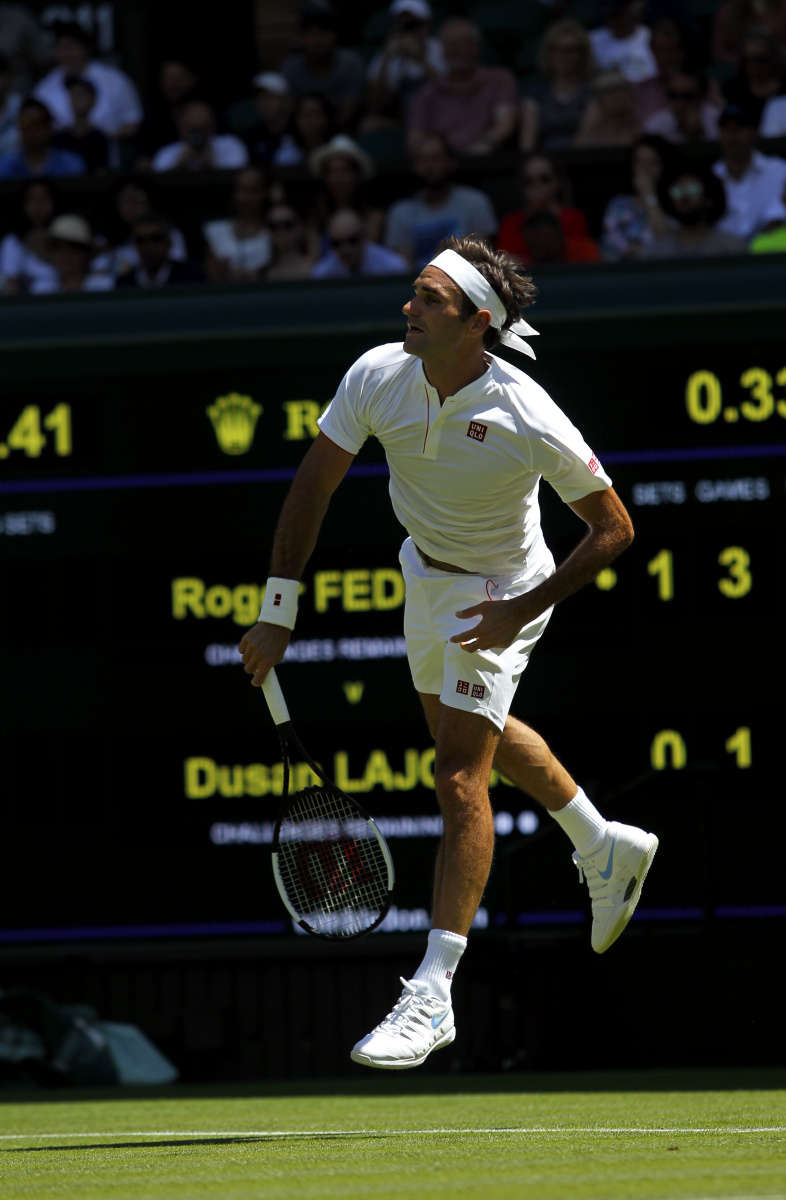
279	605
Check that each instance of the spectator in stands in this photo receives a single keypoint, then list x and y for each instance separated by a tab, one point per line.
177	84
440	209
772	240
693	197
22	45
761	71
542	189
321	65
673	49
10	103
733	19
351	255
610	117
22	250
70	248
553	105
773	119
118	110
313	124
200	148
622	42
157	266
474	108
290	254
132	200
270	141
633	220
36	155
690	115
753	182
240	248
548	245
343	170
81	137
409	58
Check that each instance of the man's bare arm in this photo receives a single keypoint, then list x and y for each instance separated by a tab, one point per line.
609	532
320	473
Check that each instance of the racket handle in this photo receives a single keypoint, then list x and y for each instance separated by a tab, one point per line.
275	698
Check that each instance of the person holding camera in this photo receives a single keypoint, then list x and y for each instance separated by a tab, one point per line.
200	147
409	58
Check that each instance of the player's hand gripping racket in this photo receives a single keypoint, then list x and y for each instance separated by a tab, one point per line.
331	864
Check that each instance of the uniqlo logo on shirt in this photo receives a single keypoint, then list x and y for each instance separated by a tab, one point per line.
593	464
477	431
478	691
462	687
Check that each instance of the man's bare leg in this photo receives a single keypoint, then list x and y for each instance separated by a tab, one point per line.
614	881
466	745
522	756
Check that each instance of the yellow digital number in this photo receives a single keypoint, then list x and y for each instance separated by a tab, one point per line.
739	744
668	750
759	384
59	420
780	379
737	561
662	566
26	434
703	398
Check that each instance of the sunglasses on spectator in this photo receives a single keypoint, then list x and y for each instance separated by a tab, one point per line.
686	191
354	240
761	59
284	223
542	178
150	239
673	95
567	47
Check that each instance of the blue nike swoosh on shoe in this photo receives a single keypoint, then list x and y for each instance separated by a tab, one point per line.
607	873
435	1024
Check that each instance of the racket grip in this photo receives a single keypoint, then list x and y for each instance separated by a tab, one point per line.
275	698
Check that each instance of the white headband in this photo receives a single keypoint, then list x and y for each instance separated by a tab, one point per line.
482	295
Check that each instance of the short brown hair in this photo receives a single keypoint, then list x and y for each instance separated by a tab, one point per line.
507	277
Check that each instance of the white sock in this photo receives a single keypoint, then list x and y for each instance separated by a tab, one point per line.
439	966
582	822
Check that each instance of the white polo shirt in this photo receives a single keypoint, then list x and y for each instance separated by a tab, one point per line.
754	199
464	477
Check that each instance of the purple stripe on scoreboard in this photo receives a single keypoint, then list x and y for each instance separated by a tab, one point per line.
111	483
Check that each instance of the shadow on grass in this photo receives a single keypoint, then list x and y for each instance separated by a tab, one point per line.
406	1083
148	1143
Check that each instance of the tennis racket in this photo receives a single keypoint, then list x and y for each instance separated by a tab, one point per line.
331	864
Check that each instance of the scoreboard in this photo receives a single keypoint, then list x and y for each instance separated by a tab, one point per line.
140	774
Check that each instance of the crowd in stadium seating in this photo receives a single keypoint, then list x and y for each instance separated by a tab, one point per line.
308	148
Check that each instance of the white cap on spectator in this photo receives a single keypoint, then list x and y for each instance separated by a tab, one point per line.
71	228
418	8
271	81
346	148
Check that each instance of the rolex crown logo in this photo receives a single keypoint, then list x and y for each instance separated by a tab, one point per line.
234	419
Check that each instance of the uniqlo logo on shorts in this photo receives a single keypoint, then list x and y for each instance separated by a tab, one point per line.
593	464
477	431
462	687
478	691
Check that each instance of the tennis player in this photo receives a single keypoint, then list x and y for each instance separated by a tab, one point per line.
467	438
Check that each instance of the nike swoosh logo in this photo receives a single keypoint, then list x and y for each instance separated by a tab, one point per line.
435	1024
607	873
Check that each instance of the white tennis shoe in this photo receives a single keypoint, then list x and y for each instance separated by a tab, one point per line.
418	1024
615	874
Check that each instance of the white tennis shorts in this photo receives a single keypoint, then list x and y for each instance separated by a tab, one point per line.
484	682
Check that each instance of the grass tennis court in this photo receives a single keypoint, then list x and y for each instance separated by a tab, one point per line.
660	1135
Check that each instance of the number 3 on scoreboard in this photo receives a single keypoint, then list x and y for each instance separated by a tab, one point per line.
738	562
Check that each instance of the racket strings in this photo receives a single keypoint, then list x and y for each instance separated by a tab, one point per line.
331	863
